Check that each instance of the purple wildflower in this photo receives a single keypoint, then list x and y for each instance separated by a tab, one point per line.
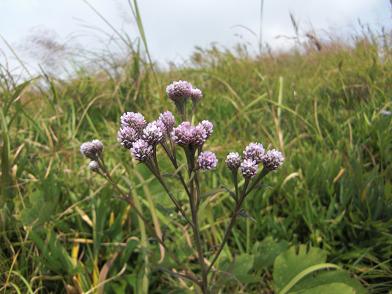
179	90
91	149
249	168
207	160
168	120
254	151
196	94
141	150
94	166
127	136
199	135
208	126
186	134
161	125
183	134
134	120
153	133
98	146
233	160
273	159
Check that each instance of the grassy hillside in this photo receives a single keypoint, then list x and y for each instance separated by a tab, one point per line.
326	109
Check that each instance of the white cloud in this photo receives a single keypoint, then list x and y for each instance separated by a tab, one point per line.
175	27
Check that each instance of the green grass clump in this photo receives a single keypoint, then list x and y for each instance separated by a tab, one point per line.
62	229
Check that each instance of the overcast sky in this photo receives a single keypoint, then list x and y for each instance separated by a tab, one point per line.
175	27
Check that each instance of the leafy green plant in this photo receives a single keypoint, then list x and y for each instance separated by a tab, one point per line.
305	270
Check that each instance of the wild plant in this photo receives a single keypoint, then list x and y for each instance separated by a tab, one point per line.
183	144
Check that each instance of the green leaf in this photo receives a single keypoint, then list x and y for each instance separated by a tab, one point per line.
42	203
333	288
299	272
266	251
305	273
239	269
328	277
290	263
5	151
53	253
242	266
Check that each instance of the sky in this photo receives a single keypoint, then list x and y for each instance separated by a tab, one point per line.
173	27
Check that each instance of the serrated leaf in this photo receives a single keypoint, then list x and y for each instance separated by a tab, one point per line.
290	263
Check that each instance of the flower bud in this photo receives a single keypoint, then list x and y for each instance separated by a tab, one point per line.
91	149
207	160
153	133
273	159
168	120
133	120
233	160
94	166
196	94
254	151
249	168
126	136
179	90
141	150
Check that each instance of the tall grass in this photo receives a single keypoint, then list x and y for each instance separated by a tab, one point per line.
62	231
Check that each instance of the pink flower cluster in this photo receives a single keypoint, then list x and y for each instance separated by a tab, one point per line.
187	134
140	137
254	154
182	90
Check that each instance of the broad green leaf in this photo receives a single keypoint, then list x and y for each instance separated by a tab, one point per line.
333	288
328	277
266	251
240	269
290	263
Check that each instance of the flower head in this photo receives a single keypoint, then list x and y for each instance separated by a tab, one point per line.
91	149
98	146
233	160
207	160
134	120
249	168
183	134
153	133
186	133
141	150
126	136
168	120
208	126
254	151
273	159
94	166
199	135
196	94
179	90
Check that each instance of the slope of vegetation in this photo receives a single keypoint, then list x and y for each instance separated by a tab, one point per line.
327	108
